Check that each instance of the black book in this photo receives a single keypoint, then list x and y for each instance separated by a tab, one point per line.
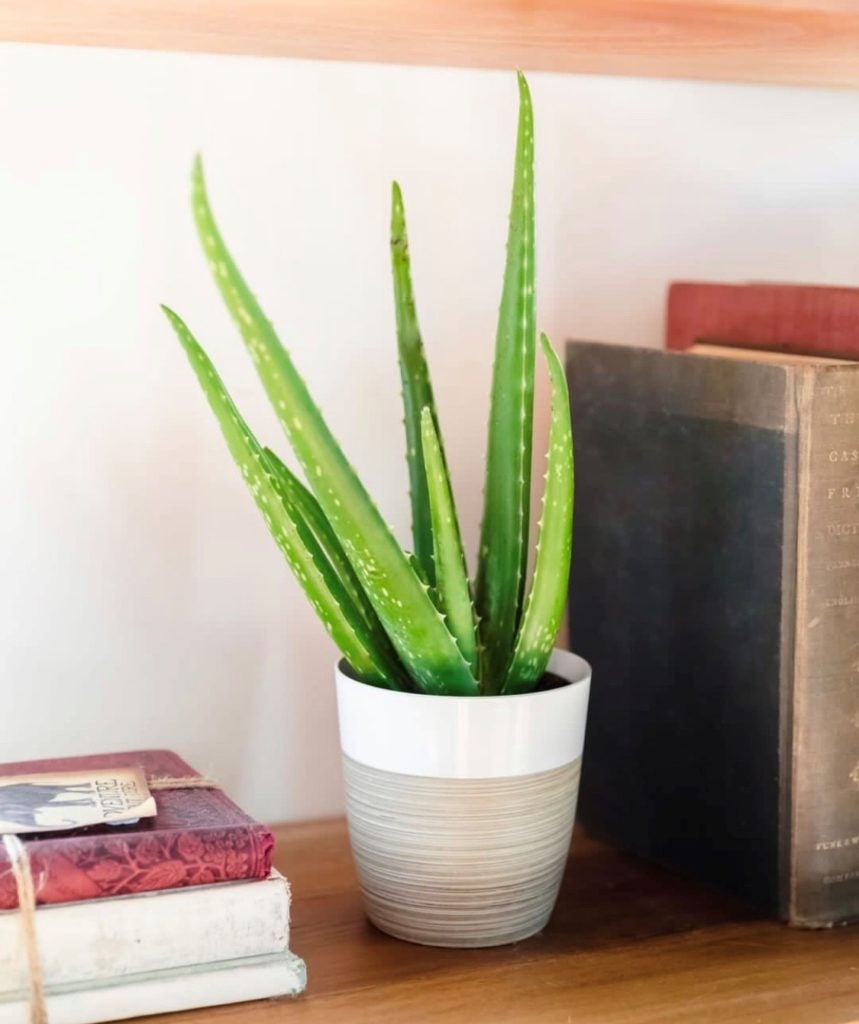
715	591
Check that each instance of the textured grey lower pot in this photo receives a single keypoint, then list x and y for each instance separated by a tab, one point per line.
460	809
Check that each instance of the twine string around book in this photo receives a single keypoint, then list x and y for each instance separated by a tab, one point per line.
22	873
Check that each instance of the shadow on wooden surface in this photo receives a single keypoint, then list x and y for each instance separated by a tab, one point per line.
607	898
628	944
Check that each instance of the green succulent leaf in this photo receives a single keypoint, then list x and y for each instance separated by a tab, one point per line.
331	601
417	389
306	510
503	549
454	596
401	601
419	569
545	604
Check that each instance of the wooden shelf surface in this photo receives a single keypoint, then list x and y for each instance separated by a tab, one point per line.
628	944
808	42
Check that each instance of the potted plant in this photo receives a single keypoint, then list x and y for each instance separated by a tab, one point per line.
461	729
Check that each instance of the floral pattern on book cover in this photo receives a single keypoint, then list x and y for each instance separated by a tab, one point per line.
116	866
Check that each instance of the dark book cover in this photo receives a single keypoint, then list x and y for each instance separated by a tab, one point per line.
715	592
198	837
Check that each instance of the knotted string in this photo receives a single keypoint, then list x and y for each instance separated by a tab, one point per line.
22	872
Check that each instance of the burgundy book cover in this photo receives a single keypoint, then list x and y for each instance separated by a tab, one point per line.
800	319
198	836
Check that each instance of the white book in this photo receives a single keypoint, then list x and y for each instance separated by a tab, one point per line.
233	981
130	935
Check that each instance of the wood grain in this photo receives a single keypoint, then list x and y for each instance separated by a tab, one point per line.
788	41
628	944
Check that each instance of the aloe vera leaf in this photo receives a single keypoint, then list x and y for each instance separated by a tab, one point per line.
331	603
304	506
503	551
548	594
451	578
402	602
417	389
418	568
312	513
333	567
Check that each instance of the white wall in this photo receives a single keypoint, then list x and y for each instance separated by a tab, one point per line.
142	602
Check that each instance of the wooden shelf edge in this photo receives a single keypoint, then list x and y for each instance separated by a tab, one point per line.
794	42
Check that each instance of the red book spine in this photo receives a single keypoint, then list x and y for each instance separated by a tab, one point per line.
100	866
801	319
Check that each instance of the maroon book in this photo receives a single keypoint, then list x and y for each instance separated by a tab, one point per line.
198	836
800	319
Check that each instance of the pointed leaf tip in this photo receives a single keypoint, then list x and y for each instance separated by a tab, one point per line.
174	319
398	216
198	179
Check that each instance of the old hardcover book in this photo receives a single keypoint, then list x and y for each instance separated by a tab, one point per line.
197	837
797	318
715	590
165	991
108	939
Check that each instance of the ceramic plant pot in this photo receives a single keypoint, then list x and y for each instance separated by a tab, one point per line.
460	809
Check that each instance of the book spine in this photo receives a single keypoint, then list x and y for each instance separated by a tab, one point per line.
824	832
149	932
801	319
99	865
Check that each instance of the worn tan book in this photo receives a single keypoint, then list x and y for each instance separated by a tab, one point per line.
716	591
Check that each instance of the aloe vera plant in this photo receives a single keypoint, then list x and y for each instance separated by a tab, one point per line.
412	620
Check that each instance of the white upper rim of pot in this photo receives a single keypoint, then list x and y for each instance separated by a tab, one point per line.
466	737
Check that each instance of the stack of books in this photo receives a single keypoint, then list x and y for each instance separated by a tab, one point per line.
174	911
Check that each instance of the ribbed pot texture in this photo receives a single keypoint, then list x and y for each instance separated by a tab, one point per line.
460	827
